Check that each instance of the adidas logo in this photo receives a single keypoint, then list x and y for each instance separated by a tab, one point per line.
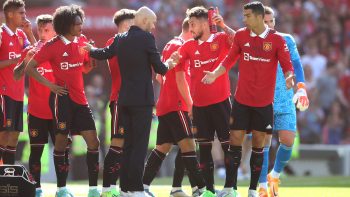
269	127
11	44
65	54
247	44
197	53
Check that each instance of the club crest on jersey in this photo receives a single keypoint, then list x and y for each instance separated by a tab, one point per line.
214	46
8	122
34	133
61	125
121	130
267	46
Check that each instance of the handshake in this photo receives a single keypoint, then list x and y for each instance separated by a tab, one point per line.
173	60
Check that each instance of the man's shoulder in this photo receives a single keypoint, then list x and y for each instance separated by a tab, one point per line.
53	41
275	36
175	42
242	31
190	42
287	37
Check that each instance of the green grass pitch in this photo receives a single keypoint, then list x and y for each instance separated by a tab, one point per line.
290	187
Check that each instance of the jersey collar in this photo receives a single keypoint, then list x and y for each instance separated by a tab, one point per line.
262	35
210	39
66	41
8	30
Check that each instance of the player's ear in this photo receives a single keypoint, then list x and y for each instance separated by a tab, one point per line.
10	14
144	21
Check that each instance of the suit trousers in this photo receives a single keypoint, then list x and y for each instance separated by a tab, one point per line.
137	121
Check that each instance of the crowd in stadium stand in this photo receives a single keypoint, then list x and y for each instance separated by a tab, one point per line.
321	29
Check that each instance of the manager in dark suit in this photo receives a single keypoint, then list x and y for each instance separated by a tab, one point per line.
137	54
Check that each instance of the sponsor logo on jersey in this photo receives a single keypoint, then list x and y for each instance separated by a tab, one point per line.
248	57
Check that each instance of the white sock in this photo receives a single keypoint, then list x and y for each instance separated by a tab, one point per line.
145	186
61	188
38	188
106	189
92	187
263	185
251	191
227	189
175	189
114	187
275	174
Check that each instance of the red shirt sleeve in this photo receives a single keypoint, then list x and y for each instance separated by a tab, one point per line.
43	55
283	55
181	66
232	55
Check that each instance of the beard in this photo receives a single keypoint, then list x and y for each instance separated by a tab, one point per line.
198	36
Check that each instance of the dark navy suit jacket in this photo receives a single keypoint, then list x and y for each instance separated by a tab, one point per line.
137	54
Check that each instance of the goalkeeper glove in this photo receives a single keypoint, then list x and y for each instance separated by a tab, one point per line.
300	97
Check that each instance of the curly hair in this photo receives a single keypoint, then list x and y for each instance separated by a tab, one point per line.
11	5
198	12
123	14
64	18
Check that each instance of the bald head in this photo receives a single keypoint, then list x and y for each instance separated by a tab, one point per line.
145	18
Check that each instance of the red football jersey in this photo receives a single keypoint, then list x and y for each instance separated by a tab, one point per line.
67	60
38	100
115	74
170	98
258	58
206	56
11	47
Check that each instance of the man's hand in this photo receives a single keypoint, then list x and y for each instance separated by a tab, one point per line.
290	77
218	19
209	77
173	60
300	97
27	26
175	57
18	71
59	90
30	54
159	78
88	47
190	113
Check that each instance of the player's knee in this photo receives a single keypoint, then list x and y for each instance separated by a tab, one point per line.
93	143
3	138
164	148
267	142
287	141
13	139
117	142
187	145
